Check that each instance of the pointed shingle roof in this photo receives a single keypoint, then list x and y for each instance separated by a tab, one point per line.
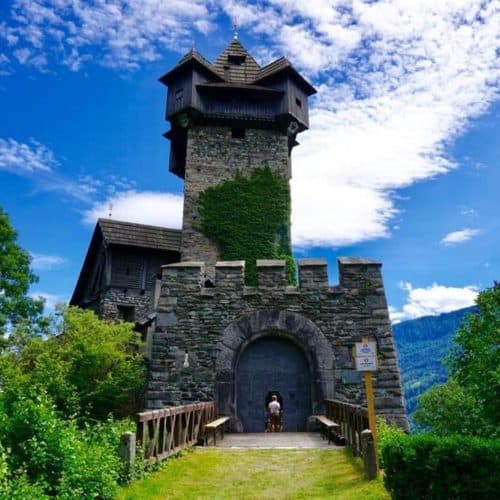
192	57
235	64
278	66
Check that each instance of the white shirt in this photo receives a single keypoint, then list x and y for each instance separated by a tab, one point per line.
274	407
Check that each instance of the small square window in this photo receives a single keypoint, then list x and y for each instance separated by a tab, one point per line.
126	313
238	133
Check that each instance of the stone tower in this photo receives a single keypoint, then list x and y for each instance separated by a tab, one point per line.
234	343
229	116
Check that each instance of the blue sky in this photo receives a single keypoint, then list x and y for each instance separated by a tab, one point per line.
400	163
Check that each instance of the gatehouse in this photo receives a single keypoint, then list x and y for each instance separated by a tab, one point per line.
236	331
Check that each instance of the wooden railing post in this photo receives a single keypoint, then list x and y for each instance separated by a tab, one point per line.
352	420
369	454
161	433
127	454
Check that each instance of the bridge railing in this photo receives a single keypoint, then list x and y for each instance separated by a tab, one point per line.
352	420
166	431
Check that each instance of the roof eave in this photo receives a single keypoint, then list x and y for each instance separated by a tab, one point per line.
87	262
192	61
308	88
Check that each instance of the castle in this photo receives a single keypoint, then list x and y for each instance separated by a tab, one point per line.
211	334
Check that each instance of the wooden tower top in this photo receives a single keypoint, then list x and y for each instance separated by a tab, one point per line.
233	91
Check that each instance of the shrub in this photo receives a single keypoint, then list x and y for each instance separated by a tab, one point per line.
426	466
386	432
448	409
54	457
91	369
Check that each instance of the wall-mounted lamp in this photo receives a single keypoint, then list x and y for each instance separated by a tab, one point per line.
186	360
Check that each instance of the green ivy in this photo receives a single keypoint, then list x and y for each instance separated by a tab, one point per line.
249	217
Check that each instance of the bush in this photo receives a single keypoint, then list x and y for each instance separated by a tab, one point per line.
91	369
426	466
52	456
448	409
386	432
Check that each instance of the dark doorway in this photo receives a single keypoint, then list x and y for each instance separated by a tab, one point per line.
273	364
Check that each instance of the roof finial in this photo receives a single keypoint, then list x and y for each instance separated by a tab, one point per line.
110	210
235	28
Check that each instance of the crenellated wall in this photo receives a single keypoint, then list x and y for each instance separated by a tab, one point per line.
213	326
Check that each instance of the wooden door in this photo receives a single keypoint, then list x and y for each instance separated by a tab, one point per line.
273	364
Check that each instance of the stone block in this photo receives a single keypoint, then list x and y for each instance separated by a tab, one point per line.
183	275
230	274
164	319
313	273
271	273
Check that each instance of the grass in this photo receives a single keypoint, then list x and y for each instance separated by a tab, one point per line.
258	474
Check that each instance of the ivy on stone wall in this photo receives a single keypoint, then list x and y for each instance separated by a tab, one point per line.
248	217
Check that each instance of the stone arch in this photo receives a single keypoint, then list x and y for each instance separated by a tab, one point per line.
250	327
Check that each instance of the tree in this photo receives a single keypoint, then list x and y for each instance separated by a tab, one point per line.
475	362
91	368
469	402
15	279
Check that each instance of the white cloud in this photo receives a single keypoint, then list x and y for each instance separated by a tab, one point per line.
42	262
146	207
120	34
471	212
38	162
398	81
461	236
432	300
23	159
50	300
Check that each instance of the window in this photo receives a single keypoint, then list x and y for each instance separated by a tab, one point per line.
126	313
236	60
298	102
238	133
179	97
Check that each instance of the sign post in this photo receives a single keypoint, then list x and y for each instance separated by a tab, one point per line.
366	361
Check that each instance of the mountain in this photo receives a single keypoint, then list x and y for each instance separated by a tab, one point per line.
422	344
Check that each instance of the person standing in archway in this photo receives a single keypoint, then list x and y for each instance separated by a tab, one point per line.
274	409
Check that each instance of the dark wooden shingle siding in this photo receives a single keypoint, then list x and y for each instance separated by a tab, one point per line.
245	72
127	269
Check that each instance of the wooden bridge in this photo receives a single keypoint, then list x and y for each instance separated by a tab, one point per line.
164	432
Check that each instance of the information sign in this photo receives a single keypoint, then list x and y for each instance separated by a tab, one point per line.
366	363
368	348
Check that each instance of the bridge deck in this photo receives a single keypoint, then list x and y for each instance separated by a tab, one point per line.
275	440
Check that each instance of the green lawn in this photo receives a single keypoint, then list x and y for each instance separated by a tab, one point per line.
245	474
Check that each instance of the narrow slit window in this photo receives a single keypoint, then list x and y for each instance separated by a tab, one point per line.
179	96
298	102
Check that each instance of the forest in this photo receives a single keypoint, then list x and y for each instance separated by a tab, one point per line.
422	345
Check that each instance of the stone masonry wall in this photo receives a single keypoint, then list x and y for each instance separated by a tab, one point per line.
213	326
112	298
213	156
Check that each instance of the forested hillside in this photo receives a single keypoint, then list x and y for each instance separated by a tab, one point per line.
422	344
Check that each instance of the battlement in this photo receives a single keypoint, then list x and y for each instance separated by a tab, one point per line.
354	273
213	320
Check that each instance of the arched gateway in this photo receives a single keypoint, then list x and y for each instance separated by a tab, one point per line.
273	351
273	364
